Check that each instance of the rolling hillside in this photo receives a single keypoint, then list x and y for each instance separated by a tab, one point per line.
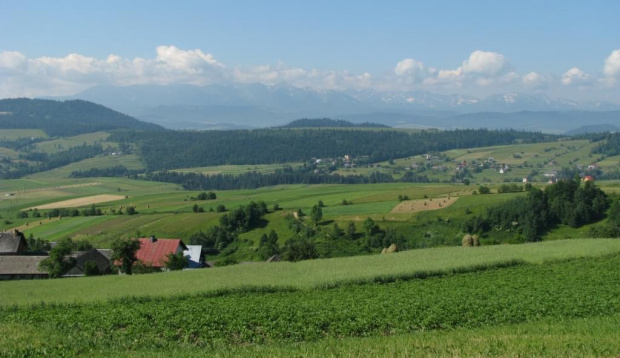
66	118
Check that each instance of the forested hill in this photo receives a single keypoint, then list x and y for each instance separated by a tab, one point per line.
330	123
64	118
171	149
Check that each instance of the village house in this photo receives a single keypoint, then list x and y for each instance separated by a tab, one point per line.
194	256
154	251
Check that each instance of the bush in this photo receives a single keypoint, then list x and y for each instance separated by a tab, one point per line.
91	269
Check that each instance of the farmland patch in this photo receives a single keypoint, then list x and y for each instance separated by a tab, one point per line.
414	206
75	203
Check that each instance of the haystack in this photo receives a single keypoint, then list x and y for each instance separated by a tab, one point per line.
389	250
468	240
476	240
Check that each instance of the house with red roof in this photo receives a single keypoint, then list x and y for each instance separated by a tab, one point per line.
154	251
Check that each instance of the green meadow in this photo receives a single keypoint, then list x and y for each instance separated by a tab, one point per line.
57	145
13	134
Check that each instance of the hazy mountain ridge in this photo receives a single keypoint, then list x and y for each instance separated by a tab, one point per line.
257	105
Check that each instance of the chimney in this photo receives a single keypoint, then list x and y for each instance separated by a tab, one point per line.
153	238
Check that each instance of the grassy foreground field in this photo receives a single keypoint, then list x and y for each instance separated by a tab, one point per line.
582	337
552	292
301	275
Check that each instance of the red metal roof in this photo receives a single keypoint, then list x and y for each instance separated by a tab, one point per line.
155	252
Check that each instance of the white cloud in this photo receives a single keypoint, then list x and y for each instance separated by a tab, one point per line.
488	64
535	80
75	72
409	66
481	68
575	76
480	72
612	65
12	61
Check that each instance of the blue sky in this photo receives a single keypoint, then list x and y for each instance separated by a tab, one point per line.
565	47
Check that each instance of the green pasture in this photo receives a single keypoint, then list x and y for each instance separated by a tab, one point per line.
8	153
130	161
304	274
60	144
13	134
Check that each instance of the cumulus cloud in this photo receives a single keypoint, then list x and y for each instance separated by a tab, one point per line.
535	80
481	68
75	72
488	64
12	61
612	65
576	76
483	71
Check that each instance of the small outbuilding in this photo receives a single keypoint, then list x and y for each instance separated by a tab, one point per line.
12	243
21	267
81	261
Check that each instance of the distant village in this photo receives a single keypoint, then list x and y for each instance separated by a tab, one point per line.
461	170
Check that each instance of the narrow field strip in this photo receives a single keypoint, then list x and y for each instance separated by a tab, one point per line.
75	203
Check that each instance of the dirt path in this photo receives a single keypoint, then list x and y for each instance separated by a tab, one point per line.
74	203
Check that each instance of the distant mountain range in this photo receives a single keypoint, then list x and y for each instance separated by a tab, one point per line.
257	105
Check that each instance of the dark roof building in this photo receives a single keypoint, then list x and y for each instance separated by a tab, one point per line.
12	243
82	257
14	267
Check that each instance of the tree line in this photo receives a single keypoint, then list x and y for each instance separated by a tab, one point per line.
567	202
253	180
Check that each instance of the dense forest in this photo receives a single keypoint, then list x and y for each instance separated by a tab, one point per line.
568	202
115	171
163	150
610	146
330	123
253	180
66	118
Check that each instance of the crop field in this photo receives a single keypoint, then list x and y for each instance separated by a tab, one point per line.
300	275
579	337
414	206
166	211
509	294
76	203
